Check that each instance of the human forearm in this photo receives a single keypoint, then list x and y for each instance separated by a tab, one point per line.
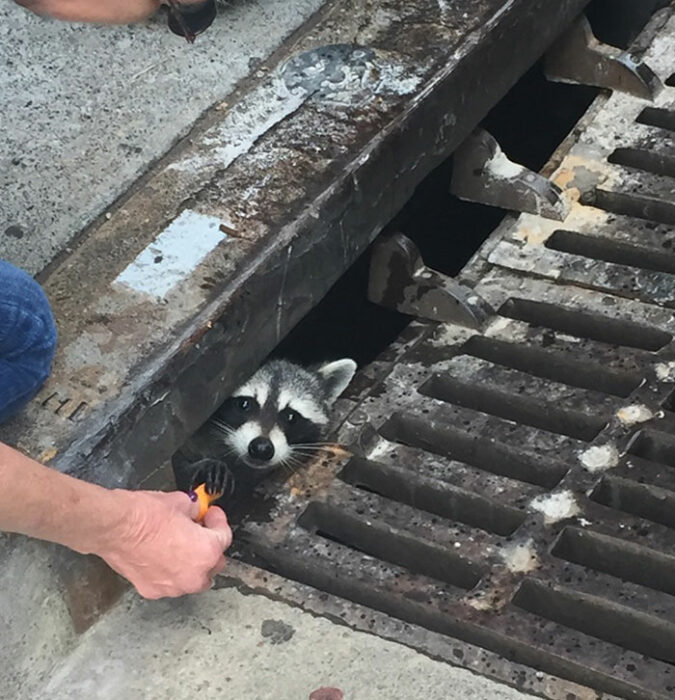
43	503
148	537
99	11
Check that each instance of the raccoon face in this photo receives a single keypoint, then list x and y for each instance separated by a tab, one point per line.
279	415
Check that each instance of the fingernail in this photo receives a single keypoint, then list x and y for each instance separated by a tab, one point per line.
192	496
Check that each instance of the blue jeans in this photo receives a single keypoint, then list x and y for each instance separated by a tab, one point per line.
27	339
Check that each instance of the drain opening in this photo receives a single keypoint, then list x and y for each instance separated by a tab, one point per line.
643	633
670	82
611	251
646	501
377	540
641	206
658	117
474	450
433	497
549	364
625	560
586	325
657	163
511	406
654	446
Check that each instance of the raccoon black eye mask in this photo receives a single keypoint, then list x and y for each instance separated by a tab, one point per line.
278	418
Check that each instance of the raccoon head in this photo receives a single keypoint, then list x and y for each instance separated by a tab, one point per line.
281	413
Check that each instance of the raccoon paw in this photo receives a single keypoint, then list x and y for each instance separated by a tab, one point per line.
216	475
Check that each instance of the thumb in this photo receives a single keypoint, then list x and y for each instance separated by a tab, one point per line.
216	521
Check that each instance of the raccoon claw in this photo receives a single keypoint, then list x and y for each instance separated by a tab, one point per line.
215	475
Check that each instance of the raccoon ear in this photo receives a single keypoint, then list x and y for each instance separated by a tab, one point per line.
336	376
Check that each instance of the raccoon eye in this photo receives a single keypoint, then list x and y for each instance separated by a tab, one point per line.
289	416
245	404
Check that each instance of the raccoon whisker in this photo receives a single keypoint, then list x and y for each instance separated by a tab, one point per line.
220	427
315	444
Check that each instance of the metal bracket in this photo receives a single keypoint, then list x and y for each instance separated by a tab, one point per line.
400	280
578	57
482	173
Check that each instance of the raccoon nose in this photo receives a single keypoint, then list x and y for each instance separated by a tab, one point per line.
261	448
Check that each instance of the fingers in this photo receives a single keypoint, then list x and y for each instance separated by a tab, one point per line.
216	521
218	568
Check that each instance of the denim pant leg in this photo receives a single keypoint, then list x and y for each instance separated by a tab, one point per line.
27	339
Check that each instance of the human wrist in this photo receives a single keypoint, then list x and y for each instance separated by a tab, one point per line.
109	514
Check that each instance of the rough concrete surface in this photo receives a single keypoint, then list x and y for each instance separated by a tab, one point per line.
87	109
223	644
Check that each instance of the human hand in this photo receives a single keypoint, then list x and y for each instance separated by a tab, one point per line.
160	549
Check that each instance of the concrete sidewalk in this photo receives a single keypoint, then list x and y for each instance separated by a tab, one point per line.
88	109
222	644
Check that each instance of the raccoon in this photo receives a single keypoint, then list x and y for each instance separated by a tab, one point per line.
277	418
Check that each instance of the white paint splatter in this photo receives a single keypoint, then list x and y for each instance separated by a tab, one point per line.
556	506
599	458
242	126
636	413
520	558
173	255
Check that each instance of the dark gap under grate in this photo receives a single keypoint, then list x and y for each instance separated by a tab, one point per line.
510	406
657	163
586	324
600	618
658	117
625	560
549	364
378	541
432	497
472	449
611	251
670	81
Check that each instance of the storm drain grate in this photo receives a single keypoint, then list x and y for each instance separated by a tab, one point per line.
515	488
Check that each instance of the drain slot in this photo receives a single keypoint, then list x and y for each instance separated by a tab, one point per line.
611	251
553	366
586	325
600	618
629	204
378	540
475	450
510	406
648	161
658	117
649	502
616	557
654	446
433	497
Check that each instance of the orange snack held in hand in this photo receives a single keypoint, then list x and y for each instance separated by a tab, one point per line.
205	500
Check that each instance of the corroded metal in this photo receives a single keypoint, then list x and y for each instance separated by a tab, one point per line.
578	57
512	487
482	173
400	280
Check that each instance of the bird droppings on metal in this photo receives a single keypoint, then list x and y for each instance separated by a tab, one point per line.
599	458
556	506
665	371
520	557
636	413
